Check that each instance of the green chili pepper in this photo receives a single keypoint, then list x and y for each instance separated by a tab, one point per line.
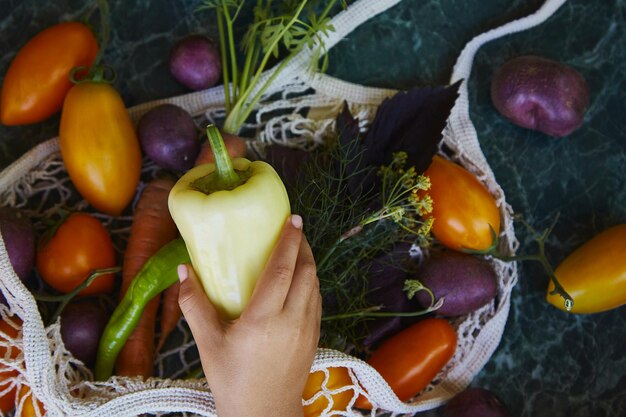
158	273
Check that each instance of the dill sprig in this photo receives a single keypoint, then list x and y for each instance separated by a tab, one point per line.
347	234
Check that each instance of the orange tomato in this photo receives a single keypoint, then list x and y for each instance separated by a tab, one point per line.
337	378
409	360
38	77
80	245
99	146
31	406
7	331
463	209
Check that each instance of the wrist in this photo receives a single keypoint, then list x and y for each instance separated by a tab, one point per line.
242	407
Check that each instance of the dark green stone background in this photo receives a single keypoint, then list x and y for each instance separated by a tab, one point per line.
549	363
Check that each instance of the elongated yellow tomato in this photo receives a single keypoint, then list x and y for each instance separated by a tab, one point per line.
38	77
594	275
336	383
99	146
463	209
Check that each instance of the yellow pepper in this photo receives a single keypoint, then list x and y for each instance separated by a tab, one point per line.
230	215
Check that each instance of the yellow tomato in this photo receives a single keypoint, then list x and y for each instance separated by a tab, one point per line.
594	275
99	146
31	406
7	374
337	378
463	209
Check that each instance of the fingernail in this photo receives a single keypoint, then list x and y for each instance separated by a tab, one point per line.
183	272
296	221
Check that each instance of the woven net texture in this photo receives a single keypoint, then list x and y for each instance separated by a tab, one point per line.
306	105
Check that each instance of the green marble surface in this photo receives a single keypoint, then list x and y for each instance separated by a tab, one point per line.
549	363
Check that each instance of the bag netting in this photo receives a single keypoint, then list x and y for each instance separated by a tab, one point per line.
37	183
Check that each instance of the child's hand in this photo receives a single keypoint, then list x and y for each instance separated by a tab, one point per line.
258	364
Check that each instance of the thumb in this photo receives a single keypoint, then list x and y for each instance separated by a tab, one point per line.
201	315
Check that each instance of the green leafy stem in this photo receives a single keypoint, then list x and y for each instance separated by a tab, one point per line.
411	287
540	257
66	298
266	35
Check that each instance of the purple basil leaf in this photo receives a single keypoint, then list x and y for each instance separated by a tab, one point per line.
347	126
287	162
410	121
360	175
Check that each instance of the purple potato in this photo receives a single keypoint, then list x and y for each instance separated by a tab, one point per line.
195	62
388	270
475	402
465	281
541	94
19	239
82	324
393	298
169	137
386	278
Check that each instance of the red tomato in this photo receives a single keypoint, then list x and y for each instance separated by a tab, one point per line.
409	360
31	406
80	245
7	400
463	209
99	146
38	77
337	378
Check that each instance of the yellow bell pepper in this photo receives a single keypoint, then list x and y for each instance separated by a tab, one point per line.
230	215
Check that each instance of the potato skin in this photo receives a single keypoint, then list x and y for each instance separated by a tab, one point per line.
195	62
541	94
168	136
19	240
475	402
465	281
82	324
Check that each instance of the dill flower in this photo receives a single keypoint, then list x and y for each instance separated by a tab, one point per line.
403	197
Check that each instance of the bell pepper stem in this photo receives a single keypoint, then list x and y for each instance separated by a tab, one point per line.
227	178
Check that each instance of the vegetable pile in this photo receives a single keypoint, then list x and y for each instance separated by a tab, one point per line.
371	200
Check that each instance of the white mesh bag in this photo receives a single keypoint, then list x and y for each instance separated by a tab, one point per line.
37	183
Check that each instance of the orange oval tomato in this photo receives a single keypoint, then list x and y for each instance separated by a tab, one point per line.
594	275
338	377
463	209
409	360
7	374
30	405
38	77
80	245
99	146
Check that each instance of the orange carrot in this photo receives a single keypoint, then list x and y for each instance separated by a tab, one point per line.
170	313
152	228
